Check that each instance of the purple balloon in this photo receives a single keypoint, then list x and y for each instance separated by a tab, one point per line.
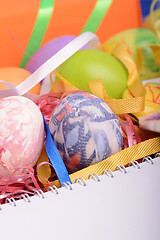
47	51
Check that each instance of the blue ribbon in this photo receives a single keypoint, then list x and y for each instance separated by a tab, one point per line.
55	157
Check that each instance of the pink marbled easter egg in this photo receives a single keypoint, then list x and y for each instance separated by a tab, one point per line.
21	134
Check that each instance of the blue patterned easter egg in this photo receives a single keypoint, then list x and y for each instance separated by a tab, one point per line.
85	130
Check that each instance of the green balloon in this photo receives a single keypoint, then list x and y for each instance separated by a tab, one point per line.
90	64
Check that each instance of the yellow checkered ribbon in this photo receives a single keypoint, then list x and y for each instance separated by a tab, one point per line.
123	157
119	106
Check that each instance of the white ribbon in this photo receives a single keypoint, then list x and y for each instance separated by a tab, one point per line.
50	65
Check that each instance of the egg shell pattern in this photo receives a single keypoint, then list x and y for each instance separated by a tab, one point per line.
21	133
85	130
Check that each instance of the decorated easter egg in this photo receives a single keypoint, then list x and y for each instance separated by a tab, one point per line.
85	130
132	40
90	64
47	51
15	76
150	122
21	134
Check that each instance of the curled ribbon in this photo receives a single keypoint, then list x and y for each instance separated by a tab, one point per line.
45	12
41	24
120	106
99	11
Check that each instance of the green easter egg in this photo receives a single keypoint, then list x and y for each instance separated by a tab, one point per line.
133	39
90	64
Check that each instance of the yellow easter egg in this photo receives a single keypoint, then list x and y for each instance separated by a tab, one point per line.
15	76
